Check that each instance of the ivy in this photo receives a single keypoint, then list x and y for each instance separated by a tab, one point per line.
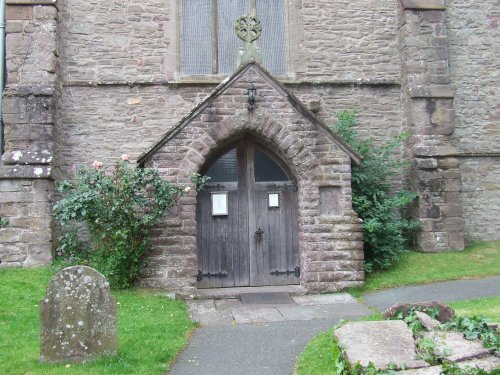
475	327
386	232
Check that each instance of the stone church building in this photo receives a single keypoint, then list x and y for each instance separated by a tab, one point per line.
91	80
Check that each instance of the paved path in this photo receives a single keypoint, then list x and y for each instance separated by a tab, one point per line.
266	339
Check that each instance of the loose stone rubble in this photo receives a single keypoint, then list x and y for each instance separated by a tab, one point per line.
390	343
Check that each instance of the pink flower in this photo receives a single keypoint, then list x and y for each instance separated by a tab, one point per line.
97	164
125	157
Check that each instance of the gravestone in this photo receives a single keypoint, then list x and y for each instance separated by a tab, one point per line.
77	316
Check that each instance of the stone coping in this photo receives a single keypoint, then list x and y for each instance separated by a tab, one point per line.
215	81
37	172
31	2
431	91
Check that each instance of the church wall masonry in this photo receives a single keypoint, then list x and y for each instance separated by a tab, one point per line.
474	57
428	102
28	118
91	80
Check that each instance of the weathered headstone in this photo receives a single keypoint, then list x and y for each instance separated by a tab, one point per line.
78	317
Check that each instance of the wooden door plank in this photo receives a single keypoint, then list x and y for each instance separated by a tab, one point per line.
252	215
242	252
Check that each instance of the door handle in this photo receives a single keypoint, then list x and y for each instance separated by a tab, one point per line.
258	234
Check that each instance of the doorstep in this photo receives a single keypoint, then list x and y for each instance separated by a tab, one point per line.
223	293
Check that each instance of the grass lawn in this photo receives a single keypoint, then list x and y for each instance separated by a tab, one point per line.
478	260
488	307
152	329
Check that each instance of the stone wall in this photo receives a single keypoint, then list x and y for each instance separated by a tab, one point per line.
378	106
25	205
28	118
346	40
118	40
31	42
101	123
481	197
474	49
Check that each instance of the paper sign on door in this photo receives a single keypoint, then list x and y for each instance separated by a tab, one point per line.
219	204
274	199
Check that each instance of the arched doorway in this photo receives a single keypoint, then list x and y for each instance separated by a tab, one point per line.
247	220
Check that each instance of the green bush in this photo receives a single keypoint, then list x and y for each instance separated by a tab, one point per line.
118	209
385	231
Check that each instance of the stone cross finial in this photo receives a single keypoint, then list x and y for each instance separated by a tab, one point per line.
248	28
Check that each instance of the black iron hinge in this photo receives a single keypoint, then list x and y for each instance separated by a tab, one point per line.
201	275
295	271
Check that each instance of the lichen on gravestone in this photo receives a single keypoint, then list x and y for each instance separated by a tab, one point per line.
78	317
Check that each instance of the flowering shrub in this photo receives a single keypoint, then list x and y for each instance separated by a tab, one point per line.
119	208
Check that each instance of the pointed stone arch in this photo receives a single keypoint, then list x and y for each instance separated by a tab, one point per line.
286	144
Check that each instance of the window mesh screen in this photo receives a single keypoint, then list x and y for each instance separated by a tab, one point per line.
272	41
227	13
196	37
266	168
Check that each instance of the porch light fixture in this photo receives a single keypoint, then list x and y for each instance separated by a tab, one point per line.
251	92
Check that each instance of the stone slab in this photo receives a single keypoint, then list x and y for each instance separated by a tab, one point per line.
265	298
343	310
424	4
382	342
324	299
488	364
291	313
230	303
429	323
206	313
433	370
250	315
455	348
221	293
78	317
433	92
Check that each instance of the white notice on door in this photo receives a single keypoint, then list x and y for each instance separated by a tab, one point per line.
274	200
219	203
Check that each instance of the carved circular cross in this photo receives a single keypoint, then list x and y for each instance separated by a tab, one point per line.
248	28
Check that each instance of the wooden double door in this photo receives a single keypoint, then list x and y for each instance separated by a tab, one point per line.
247	220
